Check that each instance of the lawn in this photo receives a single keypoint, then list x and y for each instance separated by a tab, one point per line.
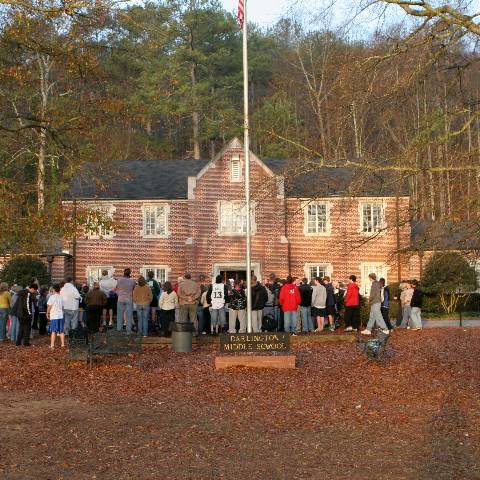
334	417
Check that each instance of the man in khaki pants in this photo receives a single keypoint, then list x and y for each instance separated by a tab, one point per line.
188	296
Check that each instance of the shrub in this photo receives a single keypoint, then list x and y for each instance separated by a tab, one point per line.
451	277
22	269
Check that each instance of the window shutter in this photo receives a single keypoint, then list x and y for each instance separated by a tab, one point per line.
235	170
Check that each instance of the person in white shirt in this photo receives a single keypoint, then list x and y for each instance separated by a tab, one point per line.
71	297
108	285
55	315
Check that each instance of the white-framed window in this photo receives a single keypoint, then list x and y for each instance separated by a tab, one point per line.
235	169
366	268
314	270
94	272
317	219
160	272
232	217
155	221
372	217
94	230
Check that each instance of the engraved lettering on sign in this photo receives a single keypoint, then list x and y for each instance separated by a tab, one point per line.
255	342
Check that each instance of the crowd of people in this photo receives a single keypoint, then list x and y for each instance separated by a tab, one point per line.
143	305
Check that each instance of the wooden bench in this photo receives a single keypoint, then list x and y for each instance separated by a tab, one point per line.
375	348
109	343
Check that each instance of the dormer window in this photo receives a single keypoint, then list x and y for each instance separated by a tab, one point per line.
235	169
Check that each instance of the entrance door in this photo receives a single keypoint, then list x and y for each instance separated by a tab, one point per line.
235	274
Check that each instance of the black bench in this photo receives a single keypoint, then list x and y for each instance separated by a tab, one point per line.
83	346
375	348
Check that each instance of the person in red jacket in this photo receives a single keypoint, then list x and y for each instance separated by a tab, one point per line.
290	299
352	305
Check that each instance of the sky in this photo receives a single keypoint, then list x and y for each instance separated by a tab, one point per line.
320	13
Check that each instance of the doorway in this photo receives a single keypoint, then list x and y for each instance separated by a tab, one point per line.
235	274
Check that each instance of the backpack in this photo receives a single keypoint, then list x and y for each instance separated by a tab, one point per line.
268	323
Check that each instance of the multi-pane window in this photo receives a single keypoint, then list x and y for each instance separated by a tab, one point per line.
154	220
94	274
320	270
97	221
379	269
235	169
160	272
372	217
233	218
316	218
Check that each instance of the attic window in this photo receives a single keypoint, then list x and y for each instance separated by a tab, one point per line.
235	169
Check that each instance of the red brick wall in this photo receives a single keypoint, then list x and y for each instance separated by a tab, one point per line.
346	248
196	219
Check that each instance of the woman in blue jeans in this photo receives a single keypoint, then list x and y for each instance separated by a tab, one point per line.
142	298
4	309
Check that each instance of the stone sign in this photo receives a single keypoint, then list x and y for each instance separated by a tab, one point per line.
254	342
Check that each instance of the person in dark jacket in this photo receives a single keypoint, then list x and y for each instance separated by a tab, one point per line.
23	310
306	305
95	301
237	309
330	302
385	308
259	299
42	311
416	304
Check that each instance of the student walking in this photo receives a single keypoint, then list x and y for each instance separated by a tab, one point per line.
290	300
405	299
385	307
319	299
168	303
375	301
237	309
416	304
142	298
217	295
55	314
352	305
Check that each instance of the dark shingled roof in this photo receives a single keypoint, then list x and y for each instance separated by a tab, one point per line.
136	180
448	235
168	179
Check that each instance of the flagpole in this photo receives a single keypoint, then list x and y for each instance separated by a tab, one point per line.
247	168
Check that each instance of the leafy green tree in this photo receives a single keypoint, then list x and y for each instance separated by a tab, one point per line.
451	277
22	269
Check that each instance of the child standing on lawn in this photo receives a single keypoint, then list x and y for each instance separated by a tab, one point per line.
55	315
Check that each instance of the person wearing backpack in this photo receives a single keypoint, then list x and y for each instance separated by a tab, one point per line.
217	295
290	299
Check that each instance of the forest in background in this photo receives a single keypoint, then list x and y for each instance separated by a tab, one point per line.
84	81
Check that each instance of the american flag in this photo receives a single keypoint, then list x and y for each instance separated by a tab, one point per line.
241	13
